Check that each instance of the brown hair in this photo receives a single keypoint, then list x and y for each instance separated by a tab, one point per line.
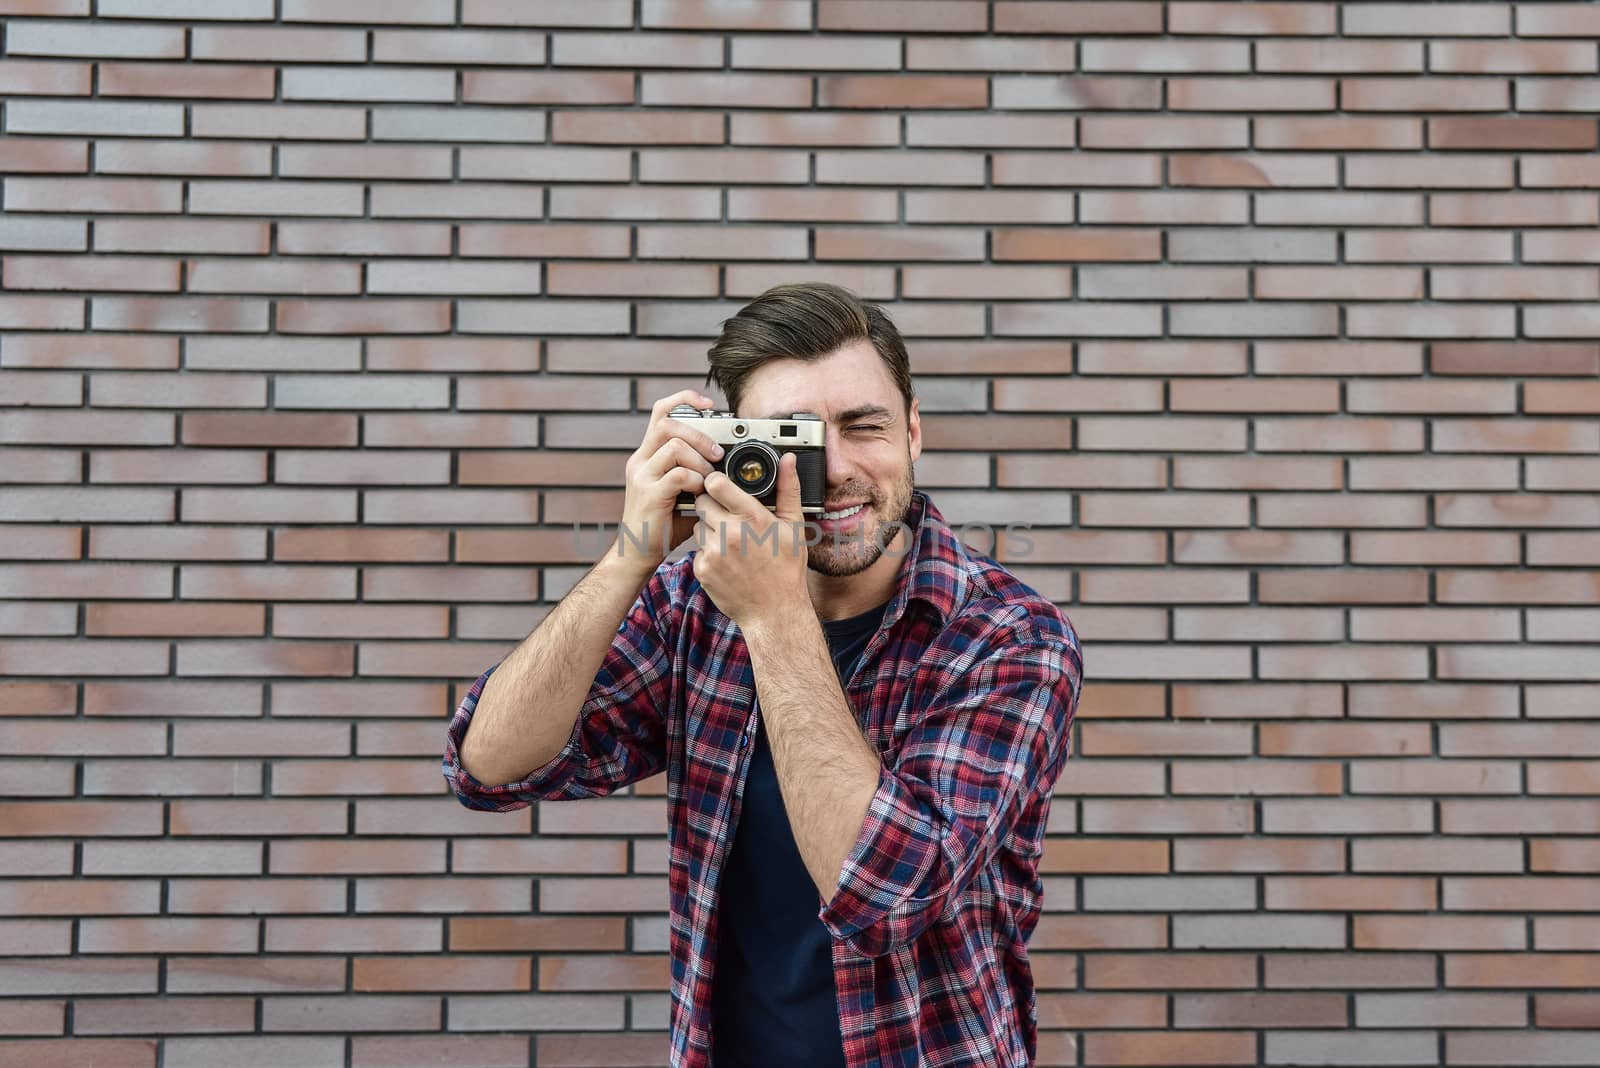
802	321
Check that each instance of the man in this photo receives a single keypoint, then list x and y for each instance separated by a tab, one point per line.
860	737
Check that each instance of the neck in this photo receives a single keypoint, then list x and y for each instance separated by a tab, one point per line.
843	596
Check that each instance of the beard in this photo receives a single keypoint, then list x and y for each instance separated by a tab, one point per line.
842	555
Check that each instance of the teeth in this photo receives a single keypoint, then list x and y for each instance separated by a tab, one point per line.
842	514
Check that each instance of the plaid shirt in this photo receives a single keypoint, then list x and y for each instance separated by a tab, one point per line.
968	692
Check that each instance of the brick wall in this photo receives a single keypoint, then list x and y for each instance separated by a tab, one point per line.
325	320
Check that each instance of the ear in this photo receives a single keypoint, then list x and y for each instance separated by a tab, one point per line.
914	429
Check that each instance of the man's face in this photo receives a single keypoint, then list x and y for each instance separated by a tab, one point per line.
872	442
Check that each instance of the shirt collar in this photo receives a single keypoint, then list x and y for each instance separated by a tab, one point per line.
935	571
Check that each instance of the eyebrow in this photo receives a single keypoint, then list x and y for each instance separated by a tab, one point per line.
875	411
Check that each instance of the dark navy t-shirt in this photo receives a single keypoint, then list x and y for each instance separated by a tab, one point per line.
772	995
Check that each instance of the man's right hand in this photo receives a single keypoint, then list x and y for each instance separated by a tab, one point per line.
673	458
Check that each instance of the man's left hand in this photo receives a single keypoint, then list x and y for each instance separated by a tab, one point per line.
752	561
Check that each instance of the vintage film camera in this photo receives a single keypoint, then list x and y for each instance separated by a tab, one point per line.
751	449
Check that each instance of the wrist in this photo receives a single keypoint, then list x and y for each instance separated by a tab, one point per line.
627	564
780	629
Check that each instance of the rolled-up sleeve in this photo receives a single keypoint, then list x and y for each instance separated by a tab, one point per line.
619	735
993	739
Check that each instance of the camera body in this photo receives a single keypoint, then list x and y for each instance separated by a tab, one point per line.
751	449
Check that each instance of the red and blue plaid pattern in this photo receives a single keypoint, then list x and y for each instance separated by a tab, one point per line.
968	691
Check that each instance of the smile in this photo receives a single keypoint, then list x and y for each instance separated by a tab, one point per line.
843	513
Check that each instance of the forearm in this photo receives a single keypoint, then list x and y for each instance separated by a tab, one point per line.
530	703
827	772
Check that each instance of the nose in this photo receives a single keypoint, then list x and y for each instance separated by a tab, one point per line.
840	467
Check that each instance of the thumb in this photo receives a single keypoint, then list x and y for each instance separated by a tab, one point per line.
789	503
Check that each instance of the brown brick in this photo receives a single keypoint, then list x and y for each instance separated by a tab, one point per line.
1432	93
1352	56
638	127
595	972
1511	132
362	317
214	81
1313	133
77	1052
39	156
175	1015
45	78
1510	57
546	87
1085	18
814	128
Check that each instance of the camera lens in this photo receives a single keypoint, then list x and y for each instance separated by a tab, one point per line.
753	466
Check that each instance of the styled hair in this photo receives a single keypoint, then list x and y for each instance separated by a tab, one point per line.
802	321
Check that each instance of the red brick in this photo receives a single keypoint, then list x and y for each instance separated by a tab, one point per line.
595	1051
84	1052
1183	971
40	156
783	15
1082	18
365	316
44	78
213	81
595	972
1259	1010
1431	93
957	16
385	239
1252	19
350	1013
659	127
168	1015
363	11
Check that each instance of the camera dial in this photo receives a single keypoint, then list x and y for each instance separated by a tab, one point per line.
753	466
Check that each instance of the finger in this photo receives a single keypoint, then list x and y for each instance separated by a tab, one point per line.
727	493
674	452
667	429
717	527
663	407
682	480
788	499
660	414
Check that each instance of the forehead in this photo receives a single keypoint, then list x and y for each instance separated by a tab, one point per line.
847	379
